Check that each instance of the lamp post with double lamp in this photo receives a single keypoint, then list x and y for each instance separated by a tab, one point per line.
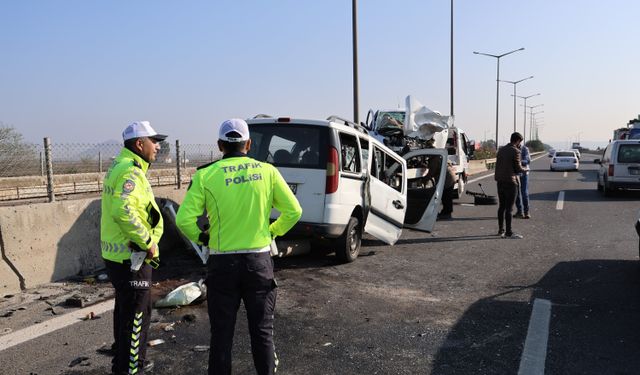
531	108
497	57
514	83
524	115
533	123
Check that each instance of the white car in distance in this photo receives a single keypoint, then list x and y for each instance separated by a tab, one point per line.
564	160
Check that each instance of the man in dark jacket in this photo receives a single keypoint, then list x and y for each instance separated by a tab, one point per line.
508	168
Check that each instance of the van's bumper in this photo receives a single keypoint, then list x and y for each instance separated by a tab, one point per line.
316	230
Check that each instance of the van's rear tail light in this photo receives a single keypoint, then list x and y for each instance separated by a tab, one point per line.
332	171
610	170
575	160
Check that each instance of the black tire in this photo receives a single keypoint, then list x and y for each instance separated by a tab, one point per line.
606	190
348	244
457	193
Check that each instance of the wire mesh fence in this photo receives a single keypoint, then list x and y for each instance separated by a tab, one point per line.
80	168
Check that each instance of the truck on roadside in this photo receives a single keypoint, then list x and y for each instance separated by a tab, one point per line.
417	127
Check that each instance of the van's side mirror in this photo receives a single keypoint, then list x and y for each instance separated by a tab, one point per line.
550	155
596	161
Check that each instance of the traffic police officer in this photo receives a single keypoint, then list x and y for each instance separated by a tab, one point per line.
131	222
238	193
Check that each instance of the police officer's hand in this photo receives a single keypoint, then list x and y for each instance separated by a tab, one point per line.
151	253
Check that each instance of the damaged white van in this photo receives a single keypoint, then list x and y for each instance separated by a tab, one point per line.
348	182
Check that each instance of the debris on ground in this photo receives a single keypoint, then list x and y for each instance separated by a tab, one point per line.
183	295
78	361
7	314
155	342
4	331
53	310
91	316
201	348
103	277
189	318
74	301
106	349
168	326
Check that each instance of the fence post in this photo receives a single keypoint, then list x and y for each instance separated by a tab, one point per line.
99	162
41	165
179	179
184	159
47	155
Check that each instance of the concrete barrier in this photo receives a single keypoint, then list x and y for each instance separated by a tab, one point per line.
46	242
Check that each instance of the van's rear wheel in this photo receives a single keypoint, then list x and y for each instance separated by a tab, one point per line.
348	244
458	192
607	190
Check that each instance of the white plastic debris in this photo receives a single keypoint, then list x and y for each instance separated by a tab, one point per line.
183	295
155	342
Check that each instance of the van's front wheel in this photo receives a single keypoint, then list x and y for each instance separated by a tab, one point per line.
348	244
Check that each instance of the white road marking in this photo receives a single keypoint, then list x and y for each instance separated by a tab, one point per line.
491	174
534	354
40	329
479	178
560	203
565	174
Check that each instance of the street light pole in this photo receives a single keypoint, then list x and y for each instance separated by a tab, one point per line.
524	115
354	25
451	60
498	81
514	83
532	122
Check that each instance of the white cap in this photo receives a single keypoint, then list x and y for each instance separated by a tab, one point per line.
234	125
141	129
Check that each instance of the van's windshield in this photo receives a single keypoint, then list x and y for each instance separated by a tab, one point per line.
289	145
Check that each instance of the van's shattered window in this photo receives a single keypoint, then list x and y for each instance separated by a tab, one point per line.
350	153
386	169
289	145
629	154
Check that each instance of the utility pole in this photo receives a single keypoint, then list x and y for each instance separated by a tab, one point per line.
354	25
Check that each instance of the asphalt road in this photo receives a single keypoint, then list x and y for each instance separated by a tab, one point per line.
456	301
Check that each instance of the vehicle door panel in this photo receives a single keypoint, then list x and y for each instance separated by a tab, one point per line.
423	198
387	186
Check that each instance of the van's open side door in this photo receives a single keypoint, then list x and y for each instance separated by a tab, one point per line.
426	169
388	189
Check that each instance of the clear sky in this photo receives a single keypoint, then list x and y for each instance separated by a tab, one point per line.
80	71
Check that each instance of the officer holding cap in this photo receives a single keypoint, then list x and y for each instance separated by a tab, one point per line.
131	224
238	194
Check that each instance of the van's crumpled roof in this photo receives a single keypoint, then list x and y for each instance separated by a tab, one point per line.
422	122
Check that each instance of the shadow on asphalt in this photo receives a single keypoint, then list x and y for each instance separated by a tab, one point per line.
317	259
454	218
593	327
411	241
